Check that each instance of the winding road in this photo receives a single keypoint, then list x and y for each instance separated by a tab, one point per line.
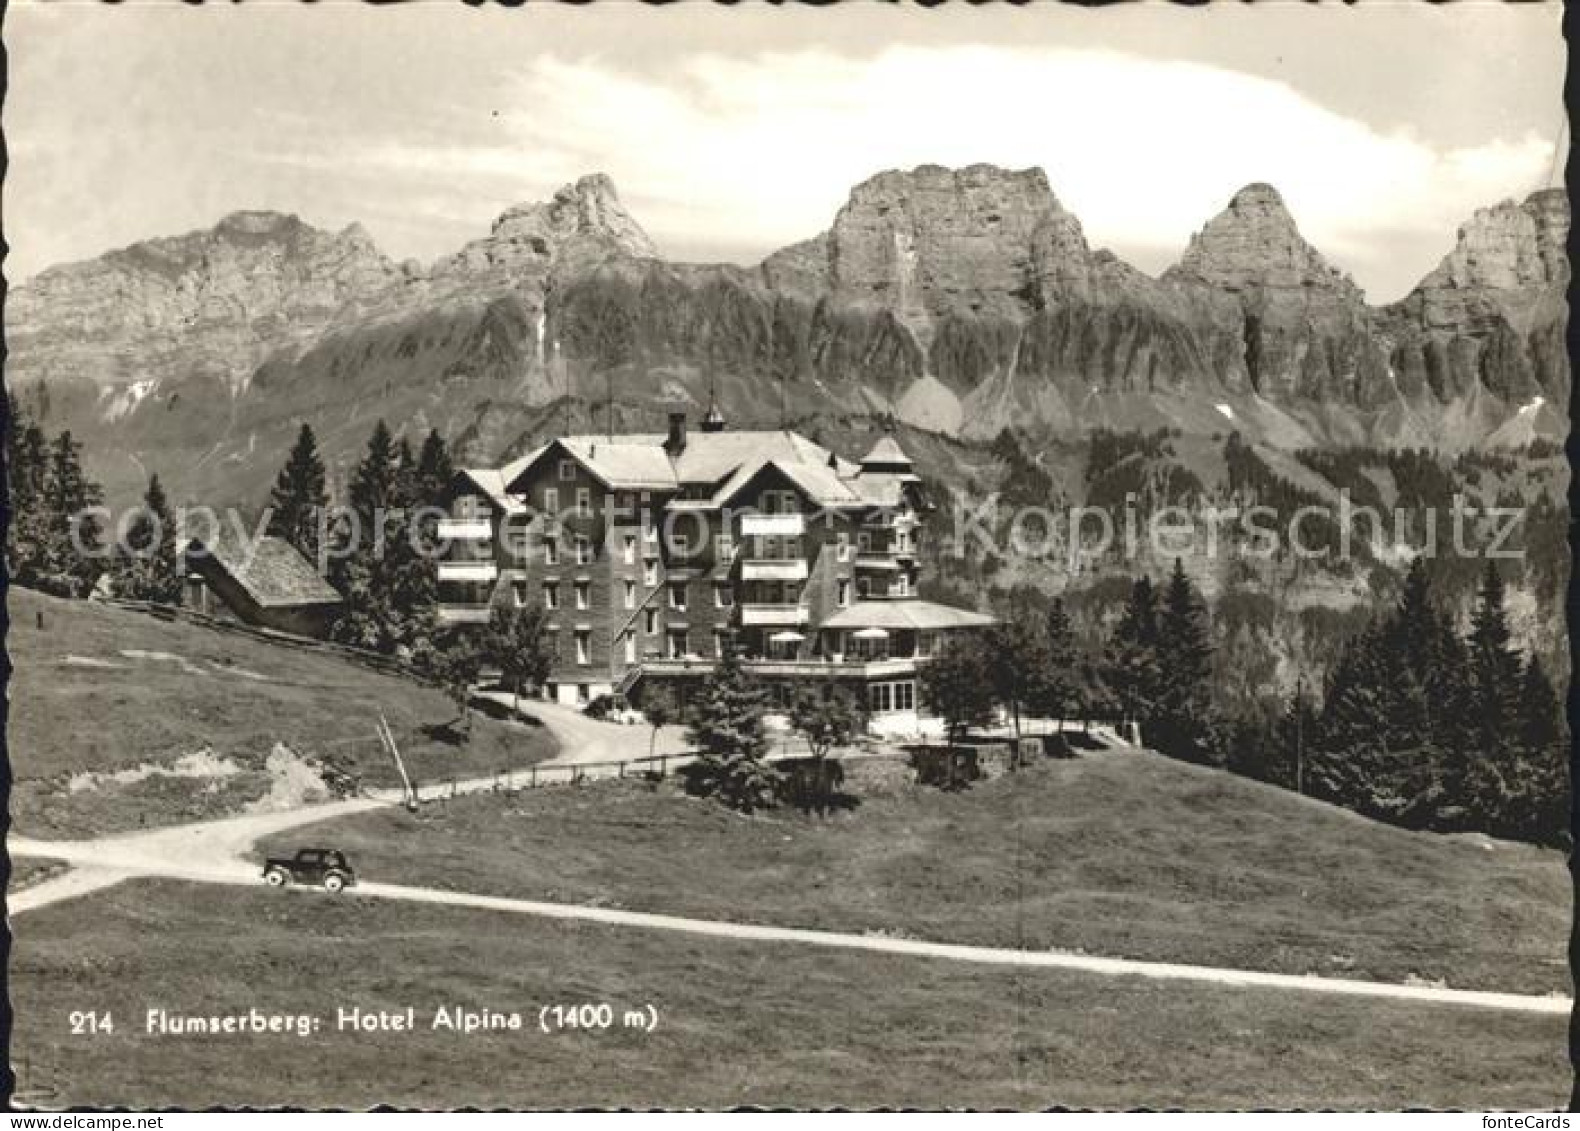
218	852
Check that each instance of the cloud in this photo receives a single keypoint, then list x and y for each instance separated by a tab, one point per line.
760	151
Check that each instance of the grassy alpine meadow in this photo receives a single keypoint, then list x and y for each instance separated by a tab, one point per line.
122	721
739	1023
1120	853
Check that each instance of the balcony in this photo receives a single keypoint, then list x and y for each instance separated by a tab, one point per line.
468	571
461	529
762	569
812	669
877	559
773	525
463	614
774	616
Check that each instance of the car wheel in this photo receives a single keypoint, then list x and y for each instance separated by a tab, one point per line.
275	877
333	882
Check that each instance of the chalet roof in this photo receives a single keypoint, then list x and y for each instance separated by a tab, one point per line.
722	461
273	572
492	483
907	613
885	452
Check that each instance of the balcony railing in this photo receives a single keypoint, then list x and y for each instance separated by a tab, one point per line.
463	614
821	668
773	525
757	615
468	571
465	528
763	569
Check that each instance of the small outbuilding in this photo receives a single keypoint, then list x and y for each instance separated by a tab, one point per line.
265	582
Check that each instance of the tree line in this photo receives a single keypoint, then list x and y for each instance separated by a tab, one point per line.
58	542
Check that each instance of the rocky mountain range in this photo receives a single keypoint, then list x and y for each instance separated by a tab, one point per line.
959	301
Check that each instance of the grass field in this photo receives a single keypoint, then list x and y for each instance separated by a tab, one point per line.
100	690
739	1023
1125	854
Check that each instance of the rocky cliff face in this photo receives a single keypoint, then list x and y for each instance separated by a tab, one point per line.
1490	320
215	302
962	301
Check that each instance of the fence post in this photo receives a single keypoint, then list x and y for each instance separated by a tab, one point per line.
533	780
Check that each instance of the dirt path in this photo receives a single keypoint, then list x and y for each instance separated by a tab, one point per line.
218	852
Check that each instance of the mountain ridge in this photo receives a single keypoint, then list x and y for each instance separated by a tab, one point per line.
961	300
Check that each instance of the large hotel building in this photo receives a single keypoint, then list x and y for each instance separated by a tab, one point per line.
647	551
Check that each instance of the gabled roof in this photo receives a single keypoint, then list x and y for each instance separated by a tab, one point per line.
906	613
492	483
273	572
721	462
885	452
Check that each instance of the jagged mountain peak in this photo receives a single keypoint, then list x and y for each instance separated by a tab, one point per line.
590	206
1255	244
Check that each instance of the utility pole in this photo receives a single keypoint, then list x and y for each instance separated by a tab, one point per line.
1300	735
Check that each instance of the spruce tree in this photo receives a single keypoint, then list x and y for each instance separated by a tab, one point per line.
1496	673
435	469
1058	691
27	462
147	563
1132	667
727	732
1184	726
359	569
67	495
299	496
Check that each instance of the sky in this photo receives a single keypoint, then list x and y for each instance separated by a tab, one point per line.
731	132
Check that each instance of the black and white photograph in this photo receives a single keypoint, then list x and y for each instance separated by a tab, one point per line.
805	557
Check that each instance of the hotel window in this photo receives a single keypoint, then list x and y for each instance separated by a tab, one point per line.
843	546
723	598
518	593
551	501
724	547
581	589
905	696
902	586
630	594
583	647
567	470
678	644
551	595
630	549
651	622
584	502
863	542
551	552
788	503
584	551
650	574
677	595
844	592
879	698
718	643
863	587
681	544
630	647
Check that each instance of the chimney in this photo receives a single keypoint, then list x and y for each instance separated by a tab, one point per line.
675	443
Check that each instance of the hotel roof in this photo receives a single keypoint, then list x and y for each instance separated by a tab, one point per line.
724	461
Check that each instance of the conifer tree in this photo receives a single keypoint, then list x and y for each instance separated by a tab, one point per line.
147	564
1184	722
299	496
27	461
1496	673
68	494
1132	668
1058	692
727	732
